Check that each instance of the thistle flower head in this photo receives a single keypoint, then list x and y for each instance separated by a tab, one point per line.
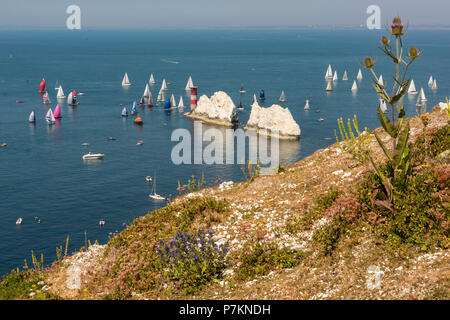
368	62
397	27
413	53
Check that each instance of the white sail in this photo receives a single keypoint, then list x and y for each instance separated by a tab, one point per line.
430	81
412	88
181	104
189	84
383	105
355	86
359	76
434	86
335	77
70	98
307	105
172	101
126	81
152	79
329	88
345	78
146	91
164	85
329	73
282	97
49	116
380	80
60	94
422	95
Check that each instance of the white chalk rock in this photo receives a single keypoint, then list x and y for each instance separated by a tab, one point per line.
443	105
274	118
218	107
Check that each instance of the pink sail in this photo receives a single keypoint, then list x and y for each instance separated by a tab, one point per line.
57	113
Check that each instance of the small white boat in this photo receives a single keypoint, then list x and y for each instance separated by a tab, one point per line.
19	221
140	143
282	96
320	119
154	195
335	76
359	76
93	156
242	90
148	179
329	73
152	79
422	95
329	88
101	223
430	81
434	85
345	77
412	88
354	86
60	94
307	105
189	84
380	80
164	85
181	104
126	81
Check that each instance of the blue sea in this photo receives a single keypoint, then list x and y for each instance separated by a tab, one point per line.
41	170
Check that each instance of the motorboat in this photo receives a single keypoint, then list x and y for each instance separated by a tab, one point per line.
93	156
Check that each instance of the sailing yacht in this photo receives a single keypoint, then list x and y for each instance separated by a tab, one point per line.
434	85
57	113
329	73
152	80
335	77
189	84
72	99
422	95
359	76
42	86
354	86
240	107
45	98
124	112
164	85
430	81
154	195
32	117
329	88
262	96
126	82
56	85
283	96
60	94
412	88
181	104
173	103
307	105
345	77
49	117
242	90
380	80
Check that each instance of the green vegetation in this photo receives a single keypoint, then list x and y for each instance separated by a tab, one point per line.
259	259
137	267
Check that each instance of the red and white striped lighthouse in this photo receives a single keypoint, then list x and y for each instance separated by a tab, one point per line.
193	97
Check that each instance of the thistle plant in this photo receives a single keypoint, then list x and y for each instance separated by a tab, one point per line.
357	145
396	127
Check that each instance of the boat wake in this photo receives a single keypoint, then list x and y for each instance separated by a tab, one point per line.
170	61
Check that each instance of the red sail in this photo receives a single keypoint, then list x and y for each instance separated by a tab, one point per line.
42	86
74	93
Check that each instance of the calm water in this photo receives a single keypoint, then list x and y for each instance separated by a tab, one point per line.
41	170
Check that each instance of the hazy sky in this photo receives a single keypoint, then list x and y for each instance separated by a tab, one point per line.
217	13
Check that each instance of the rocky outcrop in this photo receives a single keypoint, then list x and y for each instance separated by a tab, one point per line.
278	121
218	109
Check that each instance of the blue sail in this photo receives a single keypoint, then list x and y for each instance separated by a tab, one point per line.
167	104
134	106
